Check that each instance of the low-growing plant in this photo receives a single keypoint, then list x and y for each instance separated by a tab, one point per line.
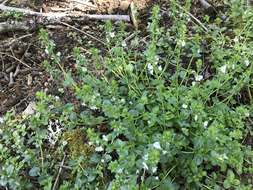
175	114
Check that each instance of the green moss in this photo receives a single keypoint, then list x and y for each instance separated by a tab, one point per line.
77	143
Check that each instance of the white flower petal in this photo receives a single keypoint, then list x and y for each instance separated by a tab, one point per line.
205	124
247	63
198	78
154	169
150	69
99	149
145	166
184	106
223	69
157	145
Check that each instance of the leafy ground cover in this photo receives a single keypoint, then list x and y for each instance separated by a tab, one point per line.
171	110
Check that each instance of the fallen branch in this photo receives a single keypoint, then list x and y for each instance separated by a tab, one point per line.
6	54
14	26
59	173
94	38
53	16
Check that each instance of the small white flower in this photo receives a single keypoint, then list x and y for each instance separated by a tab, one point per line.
236	40
196	117
198	51
124	44
246	62
223	69
61	90
160	68
150	69
154	169
145	166
165	152
156	178
247	114
184	106
102	160
198	78
57	98
205	124
90	143
105	138
58	54
84	69
193	83
145	157
112	34
183	43
46	51
157	145
222	157
99	149
93	108
64	143
1	119
120	170
157	59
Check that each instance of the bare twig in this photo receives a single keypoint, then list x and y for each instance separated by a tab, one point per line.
84	3
11	81
8	43
198	21
63	23
193	17
6	54
16	71
59	173
8	70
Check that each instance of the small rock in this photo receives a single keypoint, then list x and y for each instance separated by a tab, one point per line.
30	109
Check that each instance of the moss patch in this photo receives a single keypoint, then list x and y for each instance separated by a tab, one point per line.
77	143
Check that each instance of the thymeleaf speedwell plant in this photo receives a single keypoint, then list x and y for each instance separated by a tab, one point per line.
175	114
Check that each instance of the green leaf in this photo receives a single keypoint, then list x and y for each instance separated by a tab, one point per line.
34	171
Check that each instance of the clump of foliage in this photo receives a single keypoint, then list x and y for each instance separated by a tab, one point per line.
171	107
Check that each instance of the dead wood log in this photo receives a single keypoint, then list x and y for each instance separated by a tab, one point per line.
59	15
54	18
16	26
